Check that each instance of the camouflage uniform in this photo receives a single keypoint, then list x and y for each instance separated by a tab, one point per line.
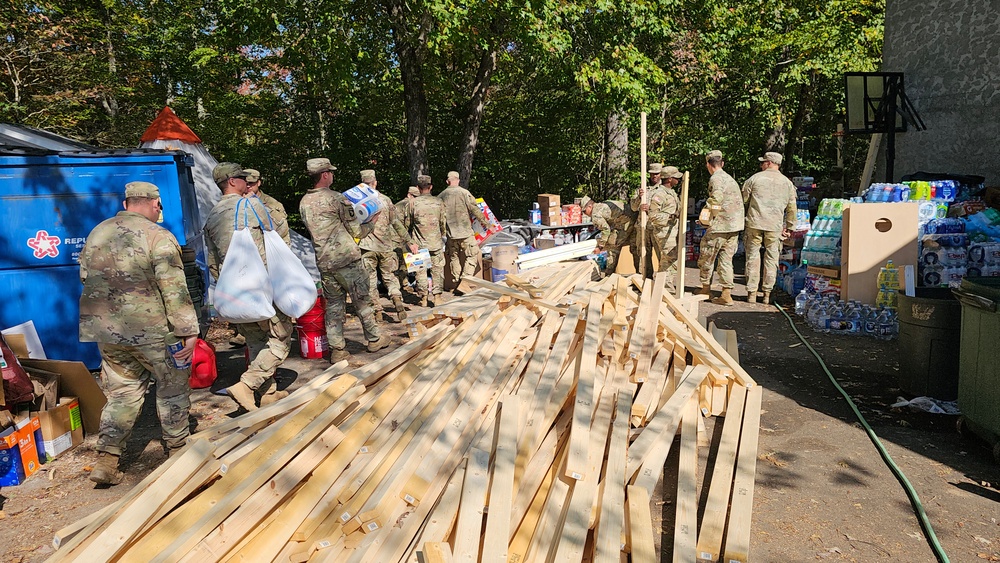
378	250
770	200
331	221
462	250
268	341
427	224
402	209
135	301
616	221
722	237
661	232
278	214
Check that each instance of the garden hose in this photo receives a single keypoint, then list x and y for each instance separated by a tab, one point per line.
925	522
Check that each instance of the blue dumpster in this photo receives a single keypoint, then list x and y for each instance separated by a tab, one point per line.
49	202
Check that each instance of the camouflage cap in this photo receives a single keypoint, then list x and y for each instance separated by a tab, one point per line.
713	154
453	175
585	201
774	157
141	189
317	165
672	172
423	180
252	175
655	168
226	170
413	190
367	175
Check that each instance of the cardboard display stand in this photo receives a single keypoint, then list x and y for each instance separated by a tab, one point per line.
875	233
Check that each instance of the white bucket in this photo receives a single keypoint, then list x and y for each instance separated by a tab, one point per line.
365	200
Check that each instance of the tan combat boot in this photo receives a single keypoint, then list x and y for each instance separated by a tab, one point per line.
423	300
272	397
397	302
338	354
243	395
705	290
106	471
726	298
767	298
752	297
377	345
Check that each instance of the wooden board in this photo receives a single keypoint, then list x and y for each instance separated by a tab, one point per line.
686	515
738	530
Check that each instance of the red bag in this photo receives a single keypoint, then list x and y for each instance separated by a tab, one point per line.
203	370
17	388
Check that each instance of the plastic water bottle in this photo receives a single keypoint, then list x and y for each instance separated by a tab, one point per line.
800	302
854	321
838	321
894	326
823	318
870	321
885	321
812	315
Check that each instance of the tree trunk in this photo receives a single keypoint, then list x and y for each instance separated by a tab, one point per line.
807	96
474	115
616	161
109	101
409	45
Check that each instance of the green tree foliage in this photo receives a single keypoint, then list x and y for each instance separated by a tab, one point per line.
519	96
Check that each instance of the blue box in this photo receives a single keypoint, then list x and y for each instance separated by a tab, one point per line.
49	203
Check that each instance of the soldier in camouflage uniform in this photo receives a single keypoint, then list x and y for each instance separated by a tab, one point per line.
462	250
378	250
402	245
662	224
334	227
725	203
274	207
425	220
616	223
770	200
134	304
268	341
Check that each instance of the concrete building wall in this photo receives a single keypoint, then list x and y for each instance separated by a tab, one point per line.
949	52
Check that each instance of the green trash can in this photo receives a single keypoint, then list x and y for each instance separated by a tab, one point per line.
929	339
979	370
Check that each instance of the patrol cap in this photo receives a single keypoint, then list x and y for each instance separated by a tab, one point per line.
317	165
226	170
367	175
774	157
252	175
453	175
423	180
141	189
713	154
413	190
655	168
585	201
672	172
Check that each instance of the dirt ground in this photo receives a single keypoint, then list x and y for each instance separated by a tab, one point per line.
822	491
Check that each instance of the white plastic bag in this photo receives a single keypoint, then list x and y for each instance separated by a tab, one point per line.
294	289
243	293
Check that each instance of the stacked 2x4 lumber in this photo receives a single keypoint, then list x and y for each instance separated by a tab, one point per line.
528	421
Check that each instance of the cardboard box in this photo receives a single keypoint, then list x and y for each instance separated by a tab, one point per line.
875	233
549	202
552	219
572	214
417	262
61	426
19	452
504	261
75	380
484	231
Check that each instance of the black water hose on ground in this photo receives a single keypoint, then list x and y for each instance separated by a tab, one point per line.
925	522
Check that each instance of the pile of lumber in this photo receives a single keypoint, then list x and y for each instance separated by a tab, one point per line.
523	422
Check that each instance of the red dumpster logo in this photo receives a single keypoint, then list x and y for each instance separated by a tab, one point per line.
44	245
